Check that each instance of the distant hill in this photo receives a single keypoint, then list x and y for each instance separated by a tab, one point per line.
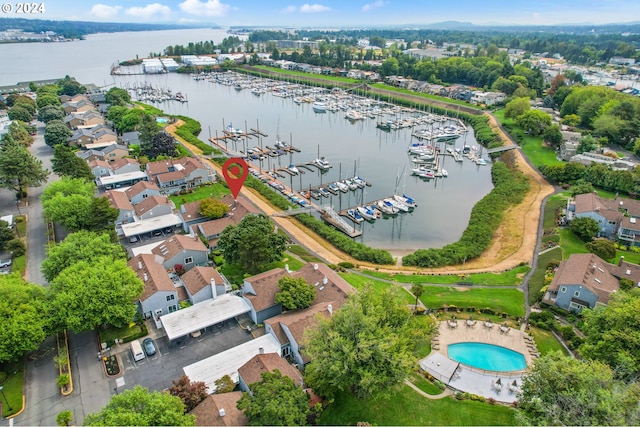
577	28
78	29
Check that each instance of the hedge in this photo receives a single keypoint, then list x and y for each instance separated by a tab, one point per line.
189	131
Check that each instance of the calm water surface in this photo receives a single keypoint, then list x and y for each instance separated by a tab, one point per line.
444	204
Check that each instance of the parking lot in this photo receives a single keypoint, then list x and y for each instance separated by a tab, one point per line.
159	371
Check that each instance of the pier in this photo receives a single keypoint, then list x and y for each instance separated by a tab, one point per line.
330	216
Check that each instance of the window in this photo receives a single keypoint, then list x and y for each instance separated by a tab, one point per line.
172	308
576	294
188	260
171	297
563	289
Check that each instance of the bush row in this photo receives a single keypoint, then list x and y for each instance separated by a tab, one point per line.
510	186
346	244
268	193
189	131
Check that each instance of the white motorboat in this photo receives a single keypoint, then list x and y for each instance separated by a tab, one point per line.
406	200
319	107
367	212
387	207
342	186
401	206
322	163
444	173
480	161
293	169
354	215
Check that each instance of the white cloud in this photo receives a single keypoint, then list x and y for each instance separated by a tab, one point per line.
289	9
204	8
102	11
370	6
150	11
314	8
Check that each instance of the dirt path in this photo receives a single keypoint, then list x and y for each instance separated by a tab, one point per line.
513	243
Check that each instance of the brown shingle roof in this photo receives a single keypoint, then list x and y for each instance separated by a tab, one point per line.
171	176
215	226
119	200
199	277
99	163
208	412
626	270
139	187
151	202
152	273
265	286
176	244
269	362
191	211
588	270
124	162
297	322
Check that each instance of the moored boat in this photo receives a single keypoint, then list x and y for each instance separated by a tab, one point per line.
406	200
322	163
355	215
293	169
367	212
401	206
387	207
319	107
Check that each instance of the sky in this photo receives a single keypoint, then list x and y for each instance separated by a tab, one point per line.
343	13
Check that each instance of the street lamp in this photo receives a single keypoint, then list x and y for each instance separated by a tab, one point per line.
5	398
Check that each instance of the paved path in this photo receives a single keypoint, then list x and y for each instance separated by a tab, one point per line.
446	393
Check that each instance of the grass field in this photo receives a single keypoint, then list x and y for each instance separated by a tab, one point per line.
632	257
358	282
510	301
571	244
512	277
424	384
423	95
236	275
546	342
536	281
303	253
12	388
553	203
408	408
216	190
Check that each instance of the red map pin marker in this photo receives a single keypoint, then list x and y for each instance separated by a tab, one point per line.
235	171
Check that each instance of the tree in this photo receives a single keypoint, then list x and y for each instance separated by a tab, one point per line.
586	228
558	81
224	384
571	120
560	390
390	67
101	215
417	290
379	329
79	246
581	187
587	144
66	163
276	401
162	144
252	244
148	129
6	234
604	248
295	293
552	136
88	294
191	393
213	208
18	112
139	407
64	418
18	133
69	86
50	112
68	202
516	108
56	132
19	169
46	100
25	319
534	121
611	334
117	97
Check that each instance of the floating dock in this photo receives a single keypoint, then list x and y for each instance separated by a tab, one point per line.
330	216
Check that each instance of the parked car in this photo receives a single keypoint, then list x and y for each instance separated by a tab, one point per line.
5	262
133	239
149	346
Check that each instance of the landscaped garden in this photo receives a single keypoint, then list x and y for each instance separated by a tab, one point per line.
216	190
125	334
507	301
111	365
512	277
11	380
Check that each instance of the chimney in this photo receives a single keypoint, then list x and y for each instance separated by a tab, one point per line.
330	309
325	280
593	268
139	265
286	267
621	260
221	412
145	277
315	267
261	350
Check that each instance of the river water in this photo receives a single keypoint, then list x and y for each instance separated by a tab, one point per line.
444	204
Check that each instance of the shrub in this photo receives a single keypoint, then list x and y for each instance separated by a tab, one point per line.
63	380
345	264
16	246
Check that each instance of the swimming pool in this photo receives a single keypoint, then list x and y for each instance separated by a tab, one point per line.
487	356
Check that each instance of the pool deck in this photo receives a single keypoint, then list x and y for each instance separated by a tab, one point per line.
490	384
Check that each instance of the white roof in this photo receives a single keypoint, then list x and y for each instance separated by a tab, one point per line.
203	314
228	362
151	224
114	179
439	366
8	219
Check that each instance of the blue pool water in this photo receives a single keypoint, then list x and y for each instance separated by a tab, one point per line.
487	356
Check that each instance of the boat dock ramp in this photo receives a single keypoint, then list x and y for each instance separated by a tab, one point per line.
332	217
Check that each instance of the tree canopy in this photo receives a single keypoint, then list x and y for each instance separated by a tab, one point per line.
534	121
25	319
56	132
295	293
50	112
140	407
586	228
93	293
191	393
276	401
162	144
18	133
560	390
516	108
252	244
117	96
19	168
213	208
66	163
80	246
366	347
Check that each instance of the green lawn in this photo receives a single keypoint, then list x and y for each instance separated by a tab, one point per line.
629	256
553	203
12	387
236	275
408	408
302	75
536	281
110	334
424	384
358	282
424	95
546	342
512	277
510	301
215	190
571	244
303	253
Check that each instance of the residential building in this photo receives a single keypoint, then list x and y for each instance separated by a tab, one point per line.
118	199
251	372
204	283
100	168
91	117
78	106
211	230
487	98
160	295
220	410
141	190
191	215
114	152
174	175
125	165
604	211
569	146
582	281
154	206
180	249
615	164
260	291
